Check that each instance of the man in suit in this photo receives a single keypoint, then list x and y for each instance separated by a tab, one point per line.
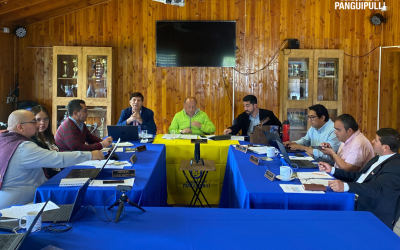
377	184
138	115
251	116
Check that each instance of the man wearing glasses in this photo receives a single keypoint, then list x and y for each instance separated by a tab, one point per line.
322	131
22	160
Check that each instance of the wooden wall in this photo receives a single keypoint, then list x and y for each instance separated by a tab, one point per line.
129	27
7	65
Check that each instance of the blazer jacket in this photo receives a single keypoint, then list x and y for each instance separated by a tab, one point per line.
243	121
380	191
147	116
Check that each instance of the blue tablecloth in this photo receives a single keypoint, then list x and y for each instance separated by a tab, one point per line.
246	187
149	189
196	228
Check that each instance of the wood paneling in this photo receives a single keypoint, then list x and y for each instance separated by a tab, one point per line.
7	65
129	27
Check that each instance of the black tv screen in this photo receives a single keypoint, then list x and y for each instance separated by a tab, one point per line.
195	43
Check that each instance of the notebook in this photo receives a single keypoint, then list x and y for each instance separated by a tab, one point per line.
66	212
15	241
90	173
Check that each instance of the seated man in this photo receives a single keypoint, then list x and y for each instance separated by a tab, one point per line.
251	116
354	151
321	131
378	182
73	134
22	160
138	115
191	120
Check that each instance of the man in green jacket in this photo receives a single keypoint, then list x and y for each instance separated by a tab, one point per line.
191	120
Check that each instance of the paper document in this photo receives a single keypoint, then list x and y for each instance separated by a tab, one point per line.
290	188
19	211
313	175
170	137
95	163
315	181
259	150
237	138
308	158
99	183
188	137
119	165
73	182
124	144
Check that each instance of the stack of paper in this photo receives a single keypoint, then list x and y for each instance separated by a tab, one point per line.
314	178
19	211
73	182
290	188
95	163
259	150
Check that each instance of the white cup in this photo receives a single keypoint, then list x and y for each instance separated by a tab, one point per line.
30	216
286	172
272	152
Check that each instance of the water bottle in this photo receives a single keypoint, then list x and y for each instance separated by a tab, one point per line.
139	128
286	129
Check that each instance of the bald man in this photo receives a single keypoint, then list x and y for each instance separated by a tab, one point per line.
191	120
22	160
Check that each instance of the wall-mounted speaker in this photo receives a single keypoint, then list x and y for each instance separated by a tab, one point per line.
294	44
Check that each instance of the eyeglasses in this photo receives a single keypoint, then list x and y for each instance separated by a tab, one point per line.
34	121
312	117
44	119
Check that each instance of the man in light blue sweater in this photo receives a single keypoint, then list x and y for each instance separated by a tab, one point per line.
321	131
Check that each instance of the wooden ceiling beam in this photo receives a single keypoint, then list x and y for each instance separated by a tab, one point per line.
58	12
49	5
12	5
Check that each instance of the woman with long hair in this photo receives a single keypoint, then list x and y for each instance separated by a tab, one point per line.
45	137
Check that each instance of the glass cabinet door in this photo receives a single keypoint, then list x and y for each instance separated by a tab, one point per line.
97	120
298	73
67	75
96	79
328	79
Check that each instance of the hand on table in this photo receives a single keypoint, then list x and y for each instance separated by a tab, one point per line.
336	185
227	131
97	155
325	167
186	131
107	142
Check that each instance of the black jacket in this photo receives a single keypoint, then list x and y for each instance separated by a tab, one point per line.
243	122
380	191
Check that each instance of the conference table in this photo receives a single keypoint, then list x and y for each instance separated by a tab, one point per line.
246	187
149	188
179	189
197	228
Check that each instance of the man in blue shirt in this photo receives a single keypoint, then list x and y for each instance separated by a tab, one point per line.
138	115
321	131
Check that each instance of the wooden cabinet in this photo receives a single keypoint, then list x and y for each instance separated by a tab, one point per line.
309	77
83	73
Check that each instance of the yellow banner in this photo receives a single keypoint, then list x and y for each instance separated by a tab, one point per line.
179	190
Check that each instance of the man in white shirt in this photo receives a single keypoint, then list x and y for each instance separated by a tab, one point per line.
377	184
22	160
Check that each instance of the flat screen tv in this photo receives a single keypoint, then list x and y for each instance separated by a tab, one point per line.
195	43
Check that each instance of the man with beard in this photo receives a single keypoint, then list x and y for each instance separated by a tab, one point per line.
251	116
22	160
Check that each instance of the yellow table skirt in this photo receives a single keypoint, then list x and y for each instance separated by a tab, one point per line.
179	190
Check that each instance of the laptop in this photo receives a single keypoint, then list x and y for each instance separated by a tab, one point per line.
14	241
90	173
271	137
126	133
299	163
66	213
